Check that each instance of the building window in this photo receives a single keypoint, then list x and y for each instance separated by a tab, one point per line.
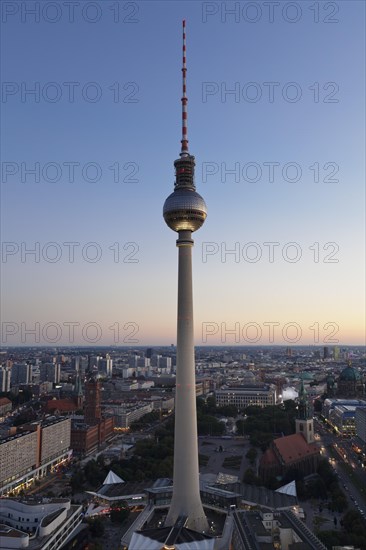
301	427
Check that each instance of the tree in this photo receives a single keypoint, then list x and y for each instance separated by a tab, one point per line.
250	477
227	410
329	538
339	501
316	488
144	421
119	511
252	455
261	439
96	527
326	472
28	415
240	425
351	520
94	473
77	481
211	404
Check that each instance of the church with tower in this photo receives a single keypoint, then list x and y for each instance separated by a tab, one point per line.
293	452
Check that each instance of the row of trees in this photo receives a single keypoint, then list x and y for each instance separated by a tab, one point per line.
18	398
262	425
153	458
207	421
145	421
353	532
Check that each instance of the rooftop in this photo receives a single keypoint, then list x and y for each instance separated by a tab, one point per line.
4	401
7	531
294	447
123	489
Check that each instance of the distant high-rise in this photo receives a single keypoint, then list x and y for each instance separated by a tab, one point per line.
50	372
185	211
78	390
21	373
105	366
289	352
5	374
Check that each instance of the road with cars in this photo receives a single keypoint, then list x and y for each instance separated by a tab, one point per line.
339	452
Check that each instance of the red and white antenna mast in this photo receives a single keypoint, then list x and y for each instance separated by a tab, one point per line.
184	141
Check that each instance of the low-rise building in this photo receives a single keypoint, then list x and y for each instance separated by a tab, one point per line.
343	419
124	414
330	404
265	530
37	524
360	420
5	407
86	438
261	395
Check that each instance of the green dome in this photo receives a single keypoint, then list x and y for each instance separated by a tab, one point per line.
349	374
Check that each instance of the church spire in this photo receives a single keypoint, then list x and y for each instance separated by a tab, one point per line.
305	409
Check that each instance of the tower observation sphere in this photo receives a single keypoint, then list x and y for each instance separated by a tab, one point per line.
184	210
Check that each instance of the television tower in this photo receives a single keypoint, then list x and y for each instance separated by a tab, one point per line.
185	211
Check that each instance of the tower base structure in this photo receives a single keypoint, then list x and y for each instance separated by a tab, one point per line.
173	538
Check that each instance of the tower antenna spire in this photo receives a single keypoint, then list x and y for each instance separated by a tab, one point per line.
184	141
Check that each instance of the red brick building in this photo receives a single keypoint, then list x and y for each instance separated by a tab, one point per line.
287	453
89	432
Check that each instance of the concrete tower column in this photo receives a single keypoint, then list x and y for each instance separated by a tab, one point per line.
186	499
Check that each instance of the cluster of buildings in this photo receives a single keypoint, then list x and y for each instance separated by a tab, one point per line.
31	451
83	399
345	405
14	374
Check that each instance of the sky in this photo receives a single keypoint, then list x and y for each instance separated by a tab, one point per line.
91	124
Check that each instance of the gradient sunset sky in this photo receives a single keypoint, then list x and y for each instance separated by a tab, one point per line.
107	77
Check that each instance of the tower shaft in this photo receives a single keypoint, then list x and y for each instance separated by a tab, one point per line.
186	500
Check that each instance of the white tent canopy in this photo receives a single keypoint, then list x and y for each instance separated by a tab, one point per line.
140	542
289	489
112	478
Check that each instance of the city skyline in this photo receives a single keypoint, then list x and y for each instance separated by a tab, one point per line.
276	139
